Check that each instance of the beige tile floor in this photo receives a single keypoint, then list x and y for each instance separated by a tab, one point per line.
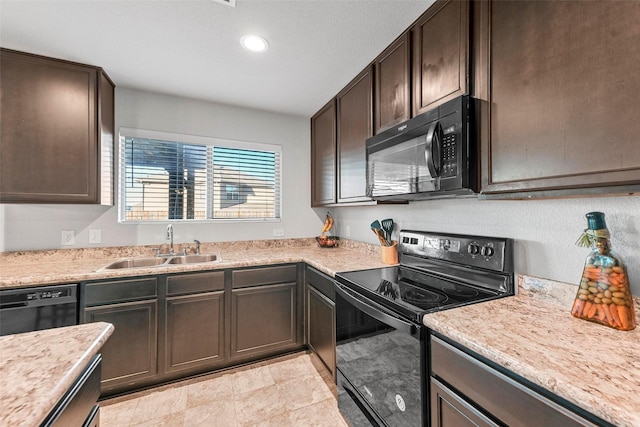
292	390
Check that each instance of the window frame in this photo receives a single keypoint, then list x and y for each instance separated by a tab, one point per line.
125	132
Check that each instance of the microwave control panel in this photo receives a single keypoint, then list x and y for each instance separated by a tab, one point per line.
449	155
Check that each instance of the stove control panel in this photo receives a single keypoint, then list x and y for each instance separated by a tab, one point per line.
490	253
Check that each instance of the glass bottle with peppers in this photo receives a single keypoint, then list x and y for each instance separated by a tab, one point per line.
604	295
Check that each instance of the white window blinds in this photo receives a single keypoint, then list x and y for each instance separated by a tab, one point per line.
177	177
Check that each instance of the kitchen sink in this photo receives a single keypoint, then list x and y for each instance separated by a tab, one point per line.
162	261
194	259
135	262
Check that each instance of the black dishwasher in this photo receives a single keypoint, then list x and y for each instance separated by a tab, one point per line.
35	309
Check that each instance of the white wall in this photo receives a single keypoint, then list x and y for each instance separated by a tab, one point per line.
545	231
28	227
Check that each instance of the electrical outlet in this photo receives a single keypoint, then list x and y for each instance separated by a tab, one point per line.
95	235
347	231
278	232
68	238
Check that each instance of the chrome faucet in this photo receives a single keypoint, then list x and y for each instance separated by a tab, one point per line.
170	238
197	242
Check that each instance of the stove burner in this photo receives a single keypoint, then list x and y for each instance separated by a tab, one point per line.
422	296
386	289
460	291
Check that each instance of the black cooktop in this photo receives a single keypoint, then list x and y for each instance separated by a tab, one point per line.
412	292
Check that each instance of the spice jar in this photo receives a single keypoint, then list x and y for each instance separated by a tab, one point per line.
604	295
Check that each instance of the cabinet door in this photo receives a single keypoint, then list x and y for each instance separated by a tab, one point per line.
106	116
450	410
355	125
393	82
440	54
49	130
263	319
558	84
129	355
321	327
194	331
323	155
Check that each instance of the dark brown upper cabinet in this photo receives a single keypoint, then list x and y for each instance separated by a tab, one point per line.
440	54
56	131
558	86
355	125
392	84
323	155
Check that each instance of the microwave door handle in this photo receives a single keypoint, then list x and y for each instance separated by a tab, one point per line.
432	148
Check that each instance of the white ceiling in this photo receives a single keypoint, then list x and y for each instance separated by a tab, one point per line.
191	48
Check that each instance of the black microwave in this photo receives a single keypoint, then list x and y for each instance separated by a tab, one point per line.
431	155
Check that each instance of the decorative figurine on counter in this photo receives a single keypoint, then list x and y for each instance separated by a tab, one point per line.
604	295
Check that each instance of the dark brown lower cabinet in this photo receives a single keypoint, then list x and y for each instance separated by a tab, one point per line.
321	317
172	326
263	319
465	391
131	305
129	355
194	331
266	311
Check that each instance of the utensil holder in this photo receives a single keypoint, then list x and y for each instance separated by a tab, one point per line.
389	254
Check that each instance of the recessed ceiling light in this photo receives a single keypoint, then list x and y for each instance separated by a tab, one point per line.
231	3
254	43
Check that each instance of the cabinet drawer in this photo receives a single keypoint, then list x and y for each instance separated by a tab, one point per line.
123	290
449	410
195	283
322	283
264	276
501	396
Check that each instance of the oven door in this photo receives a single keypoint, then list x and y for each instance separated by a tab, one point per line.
379	363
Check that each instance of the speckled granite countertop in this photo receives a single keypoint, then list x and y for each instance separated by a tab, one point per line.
33	268
30	388
38	368
534	335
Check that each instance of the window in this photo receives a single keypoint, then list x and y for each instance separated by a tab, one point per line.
232	192
180	177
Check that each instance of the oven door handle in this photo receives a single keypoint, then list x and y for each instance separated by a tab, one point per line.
374	310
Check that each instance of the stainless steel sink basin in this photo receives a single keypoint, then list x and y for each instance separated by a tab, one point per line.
162	261
194	259
135	262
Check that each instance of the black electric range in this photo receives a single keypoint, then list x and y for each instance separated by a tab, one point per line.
381	350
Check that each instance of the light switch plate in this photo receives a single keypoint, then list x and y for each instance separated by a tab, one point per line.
68	237
95	235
